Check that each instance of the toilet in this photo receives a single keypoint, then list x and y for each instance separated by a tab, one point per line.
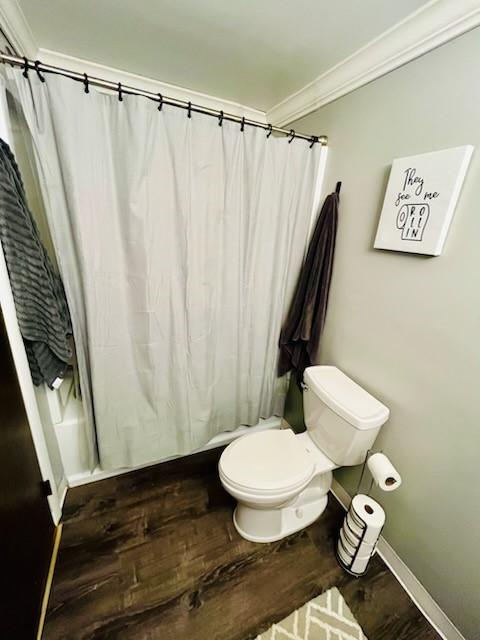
281	479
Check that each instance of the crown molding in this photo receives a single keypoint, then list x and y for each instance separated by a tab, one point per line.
17	29
148	84
432	25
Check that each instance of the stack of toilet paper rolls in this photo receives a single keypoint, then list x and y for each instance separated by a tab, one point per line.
359	534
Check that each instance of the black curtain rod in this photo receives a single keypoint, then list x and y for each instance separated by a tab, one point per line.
123	89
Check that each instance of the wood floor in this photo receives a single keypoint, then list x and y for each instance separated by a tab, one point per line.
153	554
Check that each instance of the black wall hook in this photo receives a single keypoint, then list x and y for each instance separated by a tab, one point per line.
86	83
120	92
25	67
37	69
160	101
291	136
270	128
337	188
242	124
189	111
220	119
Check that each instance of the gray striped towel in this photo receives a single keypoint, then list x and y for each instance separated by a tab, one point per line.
38	292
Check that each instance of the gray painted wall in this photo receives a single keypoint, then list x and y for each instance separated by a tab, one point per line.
407	328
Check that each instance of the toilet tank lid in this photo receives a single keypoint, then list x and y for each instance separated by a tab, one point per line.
345	397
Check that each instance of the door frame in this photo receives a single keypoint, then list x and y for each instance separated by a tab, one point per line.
55	501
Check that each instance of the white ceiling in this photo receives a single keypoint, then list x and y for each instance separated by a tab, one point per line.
255	52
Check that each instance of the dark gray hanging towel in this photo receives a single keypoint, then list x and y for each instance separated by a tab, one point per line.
303	326
38	292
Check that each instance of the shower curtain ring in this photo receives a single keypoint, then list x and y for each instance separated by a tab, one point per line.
313	140
220	119
189	110
291	136
85	83
270	128
37	69
160	101
242	124
120	92
25	67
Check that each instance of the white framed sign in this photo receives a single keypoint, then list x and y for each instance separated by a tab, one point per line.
421	196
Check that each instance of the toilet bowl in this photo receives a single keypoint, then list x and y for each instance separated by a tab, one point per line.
281	479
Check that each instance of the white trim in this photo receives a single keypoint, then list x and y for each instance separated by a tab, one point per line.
19	354
319	189
219	440
62	493
148	84
26	386
414	588
432	25
17	29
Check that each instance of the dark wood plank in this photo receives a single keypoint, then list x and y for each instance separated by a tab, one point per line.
153	554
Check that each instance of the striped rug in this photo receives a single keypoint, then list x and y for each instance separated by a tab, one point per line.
326	617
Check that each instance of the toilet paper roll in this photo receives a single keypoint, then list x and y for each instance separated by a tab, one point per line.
367	545
352	526
369	537
367	549
345	559
355	564
360	565
383	472
370	513
354	517
347	544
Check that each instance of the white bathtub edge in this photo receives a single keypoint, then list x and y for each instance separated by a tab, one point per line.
219	440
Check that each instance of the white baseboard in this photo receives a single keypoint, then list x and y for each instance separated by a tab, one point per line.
414	588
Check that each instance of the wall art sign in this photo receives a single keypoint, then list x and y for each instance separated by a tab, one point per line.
421	196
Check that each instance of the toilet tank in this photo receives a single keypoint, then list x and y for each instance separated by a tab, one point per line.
342	418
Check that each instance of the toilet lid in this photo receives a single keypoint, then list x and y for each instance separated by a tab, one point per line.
267	460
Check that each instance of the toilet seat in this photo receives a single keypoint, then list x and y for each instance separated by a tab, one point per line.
266	463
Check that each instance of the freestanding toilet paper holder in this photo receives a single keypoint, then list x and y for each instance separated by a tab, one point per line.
363	524
350	542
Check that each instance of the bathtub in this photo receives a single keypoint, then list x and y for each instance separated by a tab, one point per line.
71	438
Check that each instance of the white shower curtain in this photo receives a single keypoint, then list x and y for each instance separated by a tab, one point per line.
179	242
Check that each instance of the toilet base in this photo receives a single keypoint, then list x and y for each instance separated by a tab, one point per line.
269	525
